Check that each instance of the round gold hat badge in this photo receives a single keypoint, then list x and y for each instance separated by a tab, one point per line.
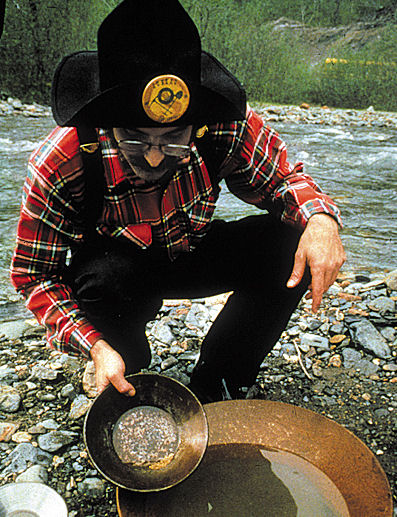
165	98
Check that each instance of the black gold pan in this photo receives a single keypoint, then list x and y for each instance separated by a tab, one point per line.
148	442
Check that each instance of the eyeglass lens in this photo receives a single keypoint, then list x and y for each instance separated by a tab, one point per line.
139	148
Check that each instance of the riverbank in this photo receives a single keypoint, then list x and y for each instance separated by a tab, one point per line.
304	113
340	362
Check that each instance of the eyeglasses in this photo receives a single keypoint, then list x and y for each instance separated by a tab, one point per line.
138	148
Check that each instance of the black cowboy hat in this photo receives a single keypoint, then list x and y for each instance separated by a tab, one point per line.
149	71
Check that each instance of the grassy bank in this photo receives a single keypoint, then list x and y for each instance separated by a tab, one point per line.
284	68
277	62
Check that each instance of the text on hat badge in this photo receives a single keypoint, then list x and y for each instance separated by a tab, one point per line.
165	98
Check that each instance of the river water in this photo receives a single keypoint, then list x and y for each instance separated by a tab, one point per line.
356	166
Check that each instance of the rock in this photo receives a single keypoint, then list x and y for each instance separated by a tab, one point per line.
178	375
366	367
7	429
198	316
37	429
338	338
10	399
91	488
21	437
7	374
383	304
390	367
89	383
69	362
388	333
169	363
45	396
391	280
162	332
43	373
381	412
337	328
55	440
289	349
294	331
68	392
367	336
190	356
315	341
335	361
80	405
50	424
34	474
317	370
351	357
23	455
18	329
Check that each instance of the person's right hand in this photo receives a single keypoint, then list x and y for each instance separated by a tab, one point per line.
109	368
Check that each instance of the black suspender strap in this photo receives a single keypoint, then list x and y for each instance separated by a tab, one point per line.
211	159
94	179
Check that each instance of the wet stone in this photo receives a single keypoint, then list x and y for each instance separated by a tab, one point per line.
368	337
89	384
10	399
315	341
17	329
337	328
189	356
50	424
7	374
391	280
169	363
91	488
69	362
351	357
43	373
34	474
37	429
23	455
80	405
7	429
45	396
390	367
287	349
383	305
21	437
388	333
366	367
55	440
294	331
68	392
198	316
162	332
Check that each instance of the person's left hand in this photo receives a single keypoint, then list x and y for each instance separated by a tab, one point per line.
321	249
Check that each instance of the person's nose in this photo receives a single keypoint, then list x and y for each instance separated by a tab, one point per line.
154	156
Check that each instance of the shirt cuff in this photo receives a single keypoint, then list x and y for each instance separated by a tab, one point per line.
318	206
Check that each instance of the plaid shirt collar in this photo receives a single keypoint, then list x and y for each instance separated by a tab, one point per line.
178	222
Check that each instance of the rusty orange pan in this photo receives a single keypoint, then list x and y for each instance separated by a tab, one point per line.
257	428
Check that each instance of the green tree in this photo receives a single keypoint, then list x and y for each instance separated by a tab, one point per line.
37	33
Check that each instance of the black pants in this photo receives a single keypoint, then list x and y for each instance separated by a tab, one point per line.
120	287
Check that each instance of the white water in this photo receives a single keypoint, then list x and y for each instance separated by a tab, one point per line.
356	166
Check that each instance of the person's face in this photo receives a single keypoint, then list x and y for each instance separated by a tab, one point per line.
155	161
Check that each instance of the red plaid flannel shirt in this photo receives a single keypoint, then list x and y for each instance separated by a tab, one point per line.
254	166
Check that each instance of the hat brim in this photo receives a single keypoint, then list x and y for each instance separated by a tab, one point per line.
77	98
